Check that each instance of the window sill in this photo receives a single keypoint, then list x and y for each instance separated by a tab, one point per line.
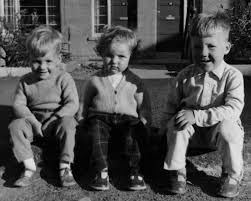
92	38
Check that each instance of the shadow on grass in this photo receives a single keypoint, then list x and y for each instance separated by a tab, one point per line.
8	165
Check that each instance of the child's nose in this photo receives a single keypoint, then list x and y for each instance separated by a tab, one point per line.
204	51
115	60
43	65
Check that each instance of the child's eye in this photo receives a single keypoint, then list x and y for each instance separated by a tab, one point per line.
48	61
198	47
36	62
122	56
211	46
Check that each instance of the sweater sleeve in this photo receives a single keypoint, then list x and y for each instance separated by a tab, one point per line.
69	96
234	103
144	103
89	92
20	105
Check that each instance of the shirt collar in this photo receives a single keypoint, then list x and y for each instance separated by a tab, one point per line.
218	72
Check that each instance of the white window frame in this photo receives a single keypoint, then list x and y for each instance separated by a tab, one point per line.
95	35
1	8
16	6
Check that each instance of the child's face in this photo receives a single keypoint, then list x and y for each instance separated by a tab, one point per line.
208	52
44	66
116	57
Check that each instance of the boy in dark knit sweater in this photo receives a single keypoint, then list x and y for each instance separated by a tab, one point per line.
116	104
45	103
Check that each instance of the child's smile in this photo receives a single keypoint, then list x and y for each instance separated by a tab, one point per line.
43	66
208	51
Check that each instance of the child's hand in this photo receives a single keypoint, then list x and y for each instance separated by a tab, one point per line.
48	126
143	120
184	118
36	126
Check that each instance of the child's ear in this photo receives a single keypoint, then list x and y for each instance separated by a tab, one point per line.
59	58
228	47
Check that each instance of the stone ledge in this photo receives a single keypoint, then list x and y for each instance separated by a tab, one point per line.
146	73
14	71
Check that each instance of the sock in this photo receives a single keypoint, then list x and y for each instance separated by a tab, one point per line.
104	173
62	166
30	167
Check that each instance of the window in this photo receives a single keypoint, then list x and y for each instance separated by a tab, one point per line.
38	12
101	15
113	12
9	12
30	13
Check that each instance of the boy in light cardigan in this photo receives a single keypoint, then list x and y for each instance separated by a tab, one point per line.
45	103
116	104
205	109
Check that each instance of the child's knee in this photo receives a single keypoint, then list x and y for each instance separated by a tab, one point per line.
16	125
68	123
230	131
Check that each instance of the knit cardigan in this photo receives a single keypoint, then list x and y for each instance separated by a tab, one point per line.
130	97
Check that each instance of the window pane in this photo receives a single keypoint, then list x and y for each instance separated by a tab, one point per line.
100	15
10	14
34	13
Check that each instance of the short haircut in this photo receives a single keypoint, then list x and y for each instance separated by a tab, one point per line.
204	24
42	39
116	34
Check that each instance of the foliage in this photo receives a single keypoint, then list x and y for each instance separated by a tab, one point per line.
12	40
240	34
13	43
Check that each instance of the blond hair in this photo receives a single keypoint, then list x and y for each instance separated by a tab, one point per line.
42	39
204	24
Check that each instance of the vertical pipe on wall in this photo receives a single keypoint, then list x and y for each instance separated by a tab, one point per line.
184	14
1	8
46	12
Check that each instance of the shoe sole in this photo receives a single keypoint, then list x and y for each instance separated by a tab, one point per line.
177	192
229	196
68	184
137	188
100	188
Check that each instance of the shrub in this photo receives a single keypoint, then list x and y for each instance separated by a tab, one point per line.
12	40
240	34
13	43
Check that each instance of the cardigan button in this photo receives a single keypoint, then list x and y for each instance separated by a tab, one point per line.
115	92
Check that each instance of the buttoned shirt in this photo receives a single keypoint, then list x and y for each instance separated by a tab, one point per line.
212	96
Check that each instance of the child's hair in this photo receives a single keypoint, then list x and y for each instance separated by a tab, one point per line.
42	39
116	34
204	24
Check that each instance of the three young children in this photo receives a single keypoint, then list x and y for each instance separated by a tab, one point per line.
204	109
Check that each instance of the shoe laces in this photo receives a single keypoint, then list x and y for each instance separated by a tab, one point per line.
104	174
140	178
66	171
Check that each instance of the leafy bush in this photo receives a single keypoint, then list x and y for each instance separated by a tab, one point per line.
240	34
12	40
13	43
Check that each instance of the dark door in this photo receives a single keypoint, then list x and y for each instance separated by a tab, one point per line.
124	12
169	25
